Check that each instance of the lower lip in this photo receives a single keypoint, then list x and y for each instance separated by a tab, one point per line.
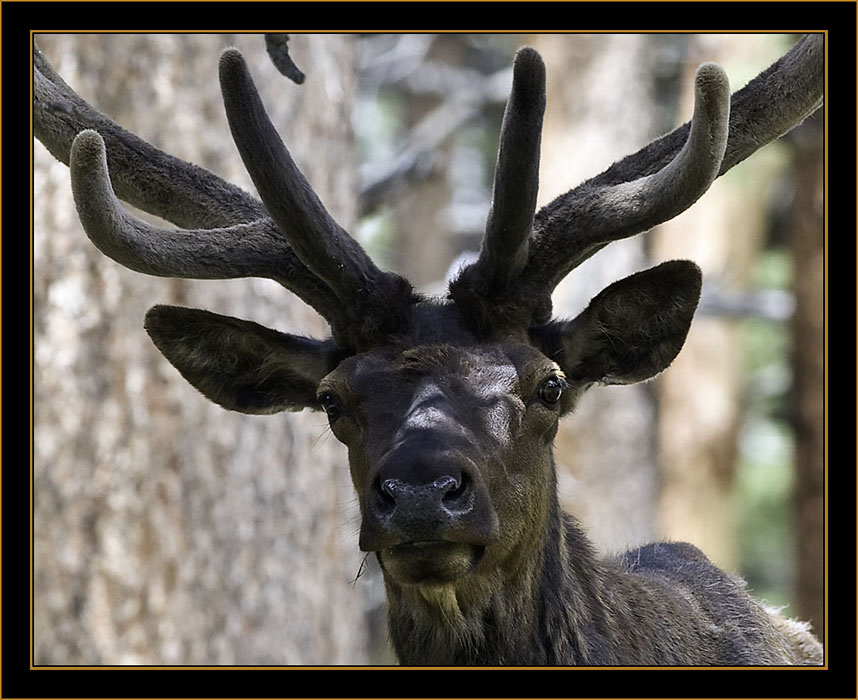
430	562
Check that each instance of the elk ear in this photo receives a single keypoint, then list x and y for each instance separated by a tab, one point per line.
239	364
631	330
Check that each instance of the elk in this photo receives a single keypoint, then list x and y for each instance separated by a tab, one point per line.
448	406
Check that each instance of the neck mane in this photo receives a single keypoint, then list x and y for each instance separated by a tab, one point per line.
541	612
557	604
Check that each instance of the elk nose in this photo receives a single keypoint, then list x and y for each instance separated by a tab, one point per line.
423	499
449	493
412	507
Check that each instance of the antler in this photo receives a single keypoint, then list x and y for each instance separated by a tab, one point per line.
505	246
485	285
224	232
648	187
227	233
642	190
326	249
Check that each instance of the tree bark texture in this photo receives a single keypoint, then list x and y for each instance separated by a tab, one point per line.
807	242
168	530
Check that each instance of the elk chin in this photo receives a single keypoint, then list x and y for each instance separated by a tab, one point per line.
430	563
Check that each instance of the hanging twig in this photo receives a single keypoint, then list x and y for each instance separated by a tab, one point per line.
278	51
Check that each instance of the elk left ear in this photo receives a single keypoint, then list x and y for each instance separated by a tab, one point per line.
239	364
631	330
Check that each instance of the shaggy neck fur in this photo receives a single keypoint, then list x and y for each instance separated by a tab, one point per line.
534	613
662	604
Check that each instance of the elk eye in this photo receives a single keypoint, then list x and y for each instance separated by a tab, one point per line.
331	405
551	390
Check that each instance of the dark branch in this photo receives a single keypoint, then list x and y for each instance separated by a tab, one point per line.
278	52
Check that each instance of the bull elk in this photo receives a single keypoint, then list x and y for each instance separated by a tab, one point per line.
449	406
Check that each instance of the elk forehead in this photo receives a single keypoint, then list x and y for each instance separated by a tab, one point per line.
452	387
456	390
426	376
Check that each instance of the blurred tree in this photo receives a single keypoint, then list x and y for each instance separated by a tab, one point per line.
702	397
423	248
601	107
807	246
168	531
428	173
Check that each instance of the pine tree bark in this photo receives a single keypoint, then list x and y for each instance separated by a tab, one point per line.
807	241
167	530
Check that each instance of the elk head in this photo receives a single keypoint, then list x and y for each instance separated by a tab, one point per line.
448	406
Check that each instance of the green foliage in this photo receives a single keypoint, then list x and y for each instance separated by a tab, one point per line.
377	123
765	472
773	269
765	482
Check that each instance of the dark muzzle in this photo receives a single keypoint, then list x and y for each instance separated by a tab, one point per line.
427	495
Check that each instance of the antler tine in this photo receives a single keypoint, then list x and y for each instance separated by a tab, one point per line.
573	228
778	99
180	192
157	183
485	286
319	241
510	221
247	249
579	223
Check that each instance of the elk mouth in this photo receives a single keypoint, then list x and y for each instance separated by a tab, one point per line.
430	562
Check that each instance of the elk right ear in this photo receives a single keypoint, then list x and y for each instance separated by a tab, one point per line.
239	364
631	330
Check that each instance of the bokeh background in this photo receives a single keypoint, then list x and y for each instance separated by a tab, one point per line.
169	531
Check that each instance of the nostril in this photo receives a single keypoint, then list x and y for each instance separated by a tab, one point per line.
386	494
445	484
389	486
458	492
452	493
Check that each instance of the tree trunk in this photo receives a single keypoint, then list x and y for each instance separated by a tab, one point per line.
808	400
701	397
606	451
167	530
420	235
705	396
